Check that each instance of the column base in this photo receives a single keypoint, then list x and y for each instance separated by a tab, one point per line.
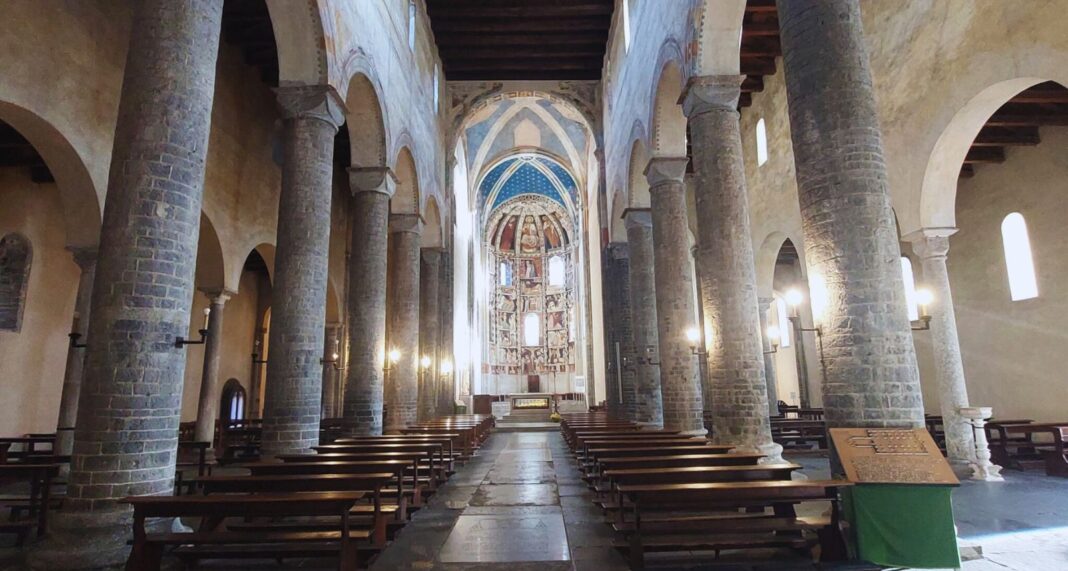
696	432
84	541
772	452
988	473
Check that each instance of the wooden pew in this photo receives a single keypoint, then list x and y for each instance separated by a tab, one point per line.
435	451
39	478
210	541
1013	445
421	463
710	520
398	468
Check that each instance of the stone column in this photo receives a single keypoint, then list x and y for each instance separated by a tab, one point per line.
727	269
851	241
372	189
72	375
292	404
445	384
932	246
680	383
208	403
619	334
429	318
769	359
331	363
647	398
402	386
126	436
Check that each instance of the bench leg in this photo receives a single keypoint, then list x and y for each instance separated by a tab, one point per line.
349	557
1056	464
636	554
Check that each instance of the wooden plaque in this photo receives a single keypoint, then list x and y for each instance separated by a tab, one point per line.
891	456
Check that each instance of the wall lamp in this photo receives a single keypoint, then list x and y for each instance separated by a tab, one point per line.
773	335
256	354
74	335
391	359
693	335
335	357
648	358
180	342
924	297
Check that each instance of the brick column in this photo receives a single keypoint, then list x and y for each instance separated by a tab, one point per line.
429	320
726	268
769	359
851	242
126	435
208	403
292	403
445	385
680	383
402	385
932	246
647	398
372	189
622	381
331	361
72	374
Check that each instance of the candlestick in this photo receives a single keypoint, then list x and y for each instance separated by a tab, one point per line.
207	316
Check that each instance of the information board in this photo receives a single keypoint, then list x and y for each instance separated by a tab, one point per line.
891	456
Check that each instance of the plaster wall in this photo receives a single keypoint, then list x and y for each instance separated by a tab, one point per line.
32	360
1011	348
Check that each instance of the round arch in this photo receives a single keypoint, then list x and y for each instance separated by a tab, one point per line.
431	236
211	264
666	118
617	230
300	35
406	200
82	209
637	184
366	122
718	30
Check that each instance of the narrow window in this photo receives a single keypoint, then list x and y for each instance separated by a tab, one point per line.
437	88
531	330
762	142
783	321
1018	261
411	24
626	26
556	271
506	274
910	288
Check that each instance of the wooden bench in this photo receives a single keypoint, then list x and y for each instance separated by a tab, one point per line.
688	474
39	479
1014	445
434	451
706	517
792	433
212	541
191	454
410	491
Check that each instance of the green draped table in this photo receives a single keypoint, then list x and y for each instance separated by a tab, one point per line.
903	525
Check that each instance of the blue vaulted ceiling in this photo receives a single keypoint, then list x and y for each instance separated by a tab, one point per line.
527	173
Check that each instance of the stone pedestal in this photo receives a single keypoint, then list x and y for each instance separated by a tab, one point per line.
402	384
372	189
726	268
129	407
680	384
932	246
982	468
851	242
72	374
292	403
429	320
208	402
647	398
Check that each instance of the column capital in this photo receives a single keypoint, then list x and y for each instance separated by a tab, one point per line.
333	327
218	295
372	179
320	102
764	303
406	223
618	250
929	243
84	256
663	170
711	93
638	218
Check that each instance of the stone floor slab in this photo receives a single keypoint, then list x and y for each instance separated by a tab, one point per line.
481	539
516	495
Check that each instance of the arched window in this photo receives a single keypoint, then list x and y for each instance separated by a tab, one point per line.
910	288
15	258
626	26
531	330
761	142
233	401
437	88
1018	260
412	9
556	271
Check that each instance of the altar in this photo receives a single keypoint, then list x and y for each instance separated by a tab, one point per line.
532	401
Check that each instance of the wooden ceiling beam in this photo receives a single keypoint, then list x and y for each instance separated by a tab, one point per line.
1042	95
1001	137
532	75
1029	120
596	40
753	84
978	155
453	54
758	67
765	6
760	29
497	26
527	11
967	171
511	65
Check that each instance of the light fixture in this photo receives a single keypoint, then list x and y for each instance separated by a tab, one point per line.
774	335
392	358
446	367
794	297
424	362
256	353
179	342
924	298
74	335
693	335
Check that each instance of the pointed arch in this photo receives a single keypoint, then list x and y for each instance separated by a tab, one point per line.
406	200
637	185
431	236
211	265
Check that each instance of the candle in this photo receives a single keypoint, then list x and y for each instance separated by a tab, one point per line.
77	321
207	316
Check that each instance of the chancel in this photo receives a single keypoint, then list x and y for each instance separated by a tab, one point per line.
533	284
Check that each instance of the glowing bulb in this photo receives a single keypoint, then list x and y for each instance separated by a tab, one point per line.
334	357
773	334
924	296
693	335
446	367
424	362
794	297
394	355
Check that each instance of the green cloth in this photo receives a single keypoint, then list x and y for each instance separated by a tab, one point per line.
903	525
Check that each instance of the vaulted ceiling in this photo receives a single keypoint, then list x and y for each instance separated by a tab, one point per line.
485	40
